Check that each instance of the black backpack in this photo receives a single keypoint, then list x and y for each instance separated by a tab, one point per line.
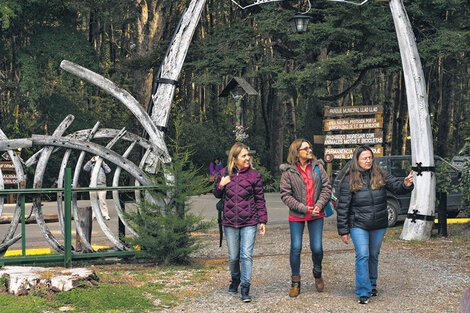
220	211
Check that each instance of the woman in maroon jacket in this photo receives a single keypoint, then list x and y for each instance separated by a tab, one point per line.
306	196
244	208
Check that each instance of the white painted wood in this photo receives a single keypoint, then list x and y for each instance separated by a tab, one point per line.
9	239
37	183
94	196
117	203
423	197
173	63
156	136
86	246
14	144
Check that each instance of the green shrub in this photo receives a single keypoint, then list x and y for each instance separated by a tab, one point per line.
465	187
165	227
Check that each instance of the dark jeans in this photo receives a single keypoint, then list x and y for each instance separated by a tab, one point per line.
315	230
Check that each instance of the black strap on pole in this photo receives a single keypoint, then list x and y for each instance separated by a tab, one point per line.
419	168
415	216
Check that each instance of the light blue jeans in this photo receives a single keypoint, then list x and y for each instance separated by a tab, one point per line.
367	244
315	231
240	242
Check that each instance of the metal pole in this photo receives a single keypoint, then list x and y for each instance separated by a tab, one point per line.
442	214
68	218
121	226
23	226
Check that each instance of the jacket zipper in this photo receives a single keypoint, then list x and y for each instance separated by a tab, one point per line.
236	202
372	198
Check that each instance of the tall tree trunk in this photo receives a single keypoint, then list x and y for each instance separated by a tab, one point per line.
277	135
392	85
152	18
444	112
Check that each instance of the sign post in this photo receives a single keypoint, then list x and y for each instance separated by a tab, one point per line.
340	121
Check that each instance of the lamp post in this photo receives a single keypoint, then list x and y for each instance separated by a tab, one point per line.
238	88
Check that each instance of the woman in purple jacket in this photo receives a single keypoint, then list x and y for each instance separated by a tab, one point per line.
244	208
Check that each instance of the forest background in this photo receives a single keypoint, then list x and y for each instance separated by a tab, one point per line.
349	56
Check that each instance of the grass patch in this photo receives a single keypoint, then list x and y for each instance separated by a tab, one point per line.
118	298
121	288
12	304
393	234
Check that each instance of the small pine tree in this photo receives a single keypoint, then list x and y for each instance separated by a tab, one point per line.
165	230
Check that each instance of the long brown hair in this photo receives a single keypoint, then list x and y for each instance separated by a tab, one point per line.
234	152
377	174
294	150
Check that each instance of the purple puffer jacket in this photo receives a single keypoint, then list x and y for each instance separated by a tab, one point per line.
244	198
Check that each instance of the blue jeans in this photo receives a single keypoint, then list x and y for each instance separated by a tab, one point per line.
240	242
315	230
367	244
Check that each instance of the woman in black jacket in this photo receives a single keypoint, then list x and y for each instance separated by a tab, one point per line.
362	213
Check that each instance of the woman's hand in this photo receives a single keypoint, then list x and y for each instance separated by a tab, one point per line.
224	181
409	179
345	238
316	211
262	229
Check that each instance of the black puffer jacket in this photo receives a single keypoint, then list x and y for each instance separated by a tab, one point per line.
366	208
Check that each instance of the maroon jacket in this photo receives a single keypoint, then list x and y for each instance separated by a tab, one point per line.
244	198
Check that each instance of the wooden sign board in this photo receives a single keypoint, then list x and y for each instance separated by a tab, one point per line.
7	166
353	123
353	110
354	139
346	153
10	179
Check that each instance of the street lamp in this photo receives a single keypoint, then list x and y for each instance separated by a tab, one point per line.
299	23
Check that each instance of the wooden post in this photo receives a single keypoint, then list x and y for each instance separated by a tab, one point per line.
173	63
86	223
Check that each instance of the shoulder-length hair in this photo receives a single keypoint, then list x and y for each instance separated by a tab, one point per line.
377	174
234	152
292	157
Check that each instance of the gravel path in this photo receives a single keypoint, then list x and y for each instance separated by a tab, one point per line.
408	281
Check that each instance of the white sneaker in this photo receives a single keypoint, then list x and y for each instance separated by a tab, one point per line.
106	217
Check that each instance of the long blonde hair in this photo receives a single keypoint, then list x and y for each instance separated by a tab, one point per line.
234	152
294	150
377	174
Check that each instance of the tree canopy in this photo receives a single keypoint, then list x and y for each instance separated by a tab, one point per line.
349	56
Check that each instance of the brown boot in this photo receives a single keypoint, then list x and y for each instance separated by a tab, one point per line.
319	283
295	287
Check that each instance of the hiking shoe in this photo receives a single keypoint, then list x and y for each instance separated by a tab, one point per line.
245	290
319	283
374	293
295	287
363	300
233	288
